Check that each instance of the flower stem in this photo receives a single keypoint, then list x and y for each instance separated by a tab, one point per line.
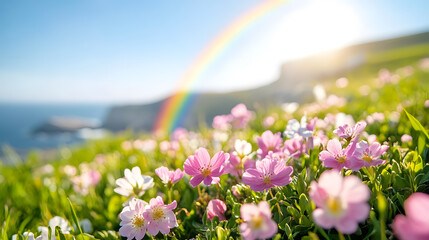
211	229
341	235
278	206
170	199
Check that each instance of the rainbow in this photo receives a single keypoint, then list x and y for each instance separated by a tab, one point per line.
175	107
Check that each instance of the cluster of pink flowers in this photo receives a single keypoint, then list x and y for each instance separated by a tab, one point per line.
356	154
139	217
261	175
341	202
238	118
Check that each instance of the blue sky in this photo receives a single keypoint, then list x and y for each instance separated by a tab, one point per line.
105	51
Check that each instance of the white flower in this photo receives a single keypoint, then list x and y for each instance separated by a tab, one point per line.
242	148
61	222
27	236
134	183
45	234
319	92
295	128
53	223
290	107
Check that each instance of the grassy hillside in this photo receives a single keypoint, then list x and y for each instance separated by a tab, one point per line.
293	85
34	191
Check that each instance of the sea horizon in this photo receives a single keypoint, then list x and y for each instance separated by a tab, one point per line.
18	121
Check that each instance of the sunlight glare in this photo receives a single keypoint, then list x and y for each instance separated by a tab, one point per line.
318	27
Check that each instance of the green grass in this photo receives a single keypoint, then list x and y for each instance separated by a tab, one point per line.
32	192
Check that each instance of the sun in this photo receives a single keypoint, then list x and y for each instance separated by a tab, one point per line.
319	26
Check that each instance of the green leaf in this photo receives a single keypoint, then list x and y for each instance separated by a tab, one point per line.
425	155
220	233
425	178
293	212
300	184
236	210
416	124
75	219
287	230
304	221
304	204
421	143
58	233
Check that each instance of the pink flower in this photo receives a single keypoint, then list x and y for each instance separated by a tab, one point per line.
161	217
169	177
216	207
169	147
341	202
257	221
312	124
369	155
342	82
179	134
267	174
371	138
240	116
222	121
426	104
233	165
201	167
294	147
415	225
268	142
320	139
236	191
349	133
133	223
338	158
268	121
87	179
406	138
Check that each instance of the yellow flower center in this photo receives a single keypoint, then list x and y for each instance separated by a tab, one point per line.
367	158
257	222
334	205
267	180
206	171
138	221
157	213
341	159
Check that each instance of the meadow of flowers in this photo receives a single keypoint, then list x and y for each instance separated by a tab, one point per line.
354	164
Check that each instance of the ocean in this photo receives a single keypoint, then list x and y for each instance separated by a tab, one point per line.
17	122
